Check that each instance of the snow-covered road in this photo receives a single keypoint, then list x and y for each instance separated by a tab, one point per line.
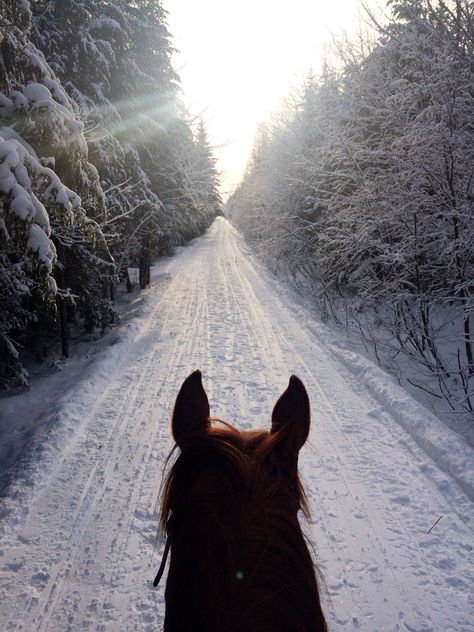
78	528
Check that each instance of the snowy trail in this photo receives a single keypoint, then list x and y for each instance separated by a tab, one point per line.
77	543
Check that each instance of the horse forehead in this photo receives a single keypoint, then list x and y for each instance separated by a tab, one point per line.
252	438
252	435
245	441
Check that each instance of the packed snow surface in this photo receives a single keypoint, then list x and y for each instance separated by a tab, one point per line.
392	516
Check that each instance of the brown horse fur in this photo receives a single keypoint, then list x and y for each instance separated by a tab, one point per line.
239	562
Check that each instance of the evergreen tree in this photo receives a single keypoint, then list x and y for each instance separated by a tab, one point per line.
205	178
93	132
41	128
115	60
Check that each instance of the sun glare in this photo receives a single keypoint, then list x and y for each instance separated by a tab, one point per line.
238	60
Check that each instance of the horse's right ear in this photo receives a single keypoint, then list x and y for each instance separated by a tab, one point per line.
191	410
291	419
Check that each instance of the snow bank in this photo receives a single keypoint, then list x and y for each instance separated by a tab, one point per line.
445	447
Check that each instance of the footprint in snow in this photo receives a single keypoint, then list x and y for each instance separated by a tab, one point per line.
447	563
376	413
455	582
400	500
12	566
39	579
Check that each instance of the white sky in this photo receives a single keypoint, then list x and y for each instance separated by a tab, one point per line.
239	58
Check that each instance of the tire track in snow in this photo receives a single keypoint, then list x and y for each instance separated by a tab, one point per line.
92	491
338	434
95	556
259	315
183	347
145	459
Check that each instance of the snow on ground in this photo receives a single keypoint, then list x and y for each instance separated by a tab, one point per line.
78	521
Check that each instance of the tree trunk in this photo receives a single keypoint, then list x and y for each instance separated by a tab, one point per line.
128	283
144	266
64	329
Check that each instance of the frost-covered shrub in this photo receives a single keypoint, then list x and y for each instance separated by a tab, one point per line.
364	188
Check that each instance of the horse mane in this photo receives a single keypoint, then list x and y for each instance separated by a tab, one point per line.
239	561
220	445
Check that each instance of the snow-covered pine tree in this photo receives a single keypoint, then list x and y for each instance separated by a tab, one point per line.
88	90
27	254
114	58
42	132
204	178
88	44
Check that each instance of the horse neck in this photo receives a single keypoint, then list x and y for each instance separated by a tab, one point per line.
231	569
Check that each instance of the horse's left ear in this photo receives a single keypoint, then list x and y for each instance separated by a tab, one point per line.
191	410
291	418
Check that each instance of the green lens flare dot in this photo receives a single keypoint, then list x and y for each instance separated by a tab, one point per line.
239	575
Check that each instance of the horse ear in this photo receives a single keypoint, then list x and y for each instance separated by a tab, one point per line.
291	417
191	410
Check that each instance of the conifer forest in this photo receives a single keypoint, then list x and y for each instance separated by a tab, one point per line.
101	167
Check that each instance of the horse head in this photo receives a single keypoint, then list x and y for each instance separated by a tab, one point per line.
239	560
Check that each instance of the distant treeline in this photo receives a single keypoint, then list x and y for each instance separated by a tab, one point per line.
101	167
362	189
